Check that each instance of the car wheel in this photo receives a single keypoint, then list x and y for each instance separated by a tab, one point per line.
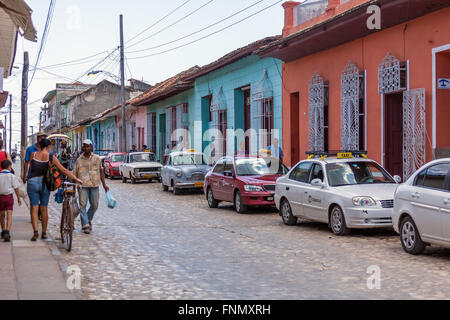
337	222
124	180
238	205
212	203
165	188
133	180
286	214
410	238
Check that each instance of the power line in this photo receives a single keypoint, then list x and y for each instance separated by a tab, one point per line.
171	25
198	31
97	64
208	35
44	37
163	18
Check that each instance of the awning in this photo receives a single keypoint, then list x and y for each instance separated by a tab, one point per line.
15	17
3	98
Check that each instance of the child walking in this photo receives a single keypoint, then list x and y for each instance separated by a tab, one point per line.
8	186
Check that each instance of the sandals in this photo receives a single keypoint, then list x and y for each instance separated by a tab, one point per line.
44	236
35	236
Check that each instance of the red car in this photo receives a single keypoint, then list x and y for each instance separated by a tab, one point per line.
243	181
111	164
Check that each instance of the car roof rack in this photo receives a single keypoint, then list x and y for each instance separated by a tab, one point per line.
343	154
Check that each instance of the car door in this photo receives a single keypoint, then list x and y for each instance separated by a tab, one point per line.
314	197
216	179
446	212
228	182
296	187
428	200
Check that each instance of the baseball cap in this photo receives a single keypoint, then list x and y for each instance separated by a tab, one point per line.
88	142
41	134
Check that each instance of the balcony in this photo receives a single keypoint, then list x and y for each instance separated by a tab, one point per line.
49	123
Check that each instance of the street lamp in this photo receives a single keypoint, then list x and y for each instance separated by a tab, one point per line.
112	75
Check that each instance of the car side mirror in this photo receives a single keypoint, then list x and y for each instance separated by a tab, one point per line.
318	183
228	173
397	179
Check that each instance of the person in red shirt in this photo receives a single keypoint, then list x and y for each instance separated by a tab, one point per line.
3	154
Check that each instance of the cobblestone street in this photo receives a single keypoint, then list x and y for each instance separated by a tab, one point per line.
159	246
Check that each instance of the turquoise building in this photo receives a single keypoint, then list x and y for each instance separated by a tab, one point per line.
230	106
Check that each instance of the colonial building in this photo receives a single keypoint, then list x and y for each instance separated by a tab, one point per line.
232	103
363	75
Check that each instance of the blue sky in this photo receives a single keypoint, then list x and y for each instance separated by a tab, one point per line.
83	28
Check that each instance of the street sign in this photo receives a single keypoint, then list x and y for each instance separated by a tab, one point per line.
443	83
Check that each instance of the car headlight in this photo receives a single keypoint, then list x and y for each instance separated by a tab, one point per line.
179	174
250	188
364	202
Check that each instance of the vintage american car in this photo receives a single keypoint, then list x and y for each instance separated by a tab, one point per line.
184	170
140	166
111	164
342	190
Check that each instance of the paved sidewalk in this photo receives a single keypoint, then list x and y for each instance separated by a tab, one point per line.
29	271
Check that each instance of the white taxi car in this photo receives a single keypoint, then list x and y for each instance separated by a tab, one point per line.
340	189
422	208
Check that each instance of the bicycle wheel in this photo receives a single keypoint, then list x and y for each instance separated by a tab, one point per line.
68	228
63	219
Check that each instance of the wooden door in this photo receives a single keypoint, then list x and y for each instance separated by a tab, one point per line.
393	133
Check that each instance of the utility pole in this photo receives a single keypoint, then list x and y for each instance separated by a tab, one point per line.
122	88
24	107
10	122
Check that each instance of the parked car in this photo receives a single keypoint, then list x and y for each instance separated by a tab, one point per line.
184	170
111	164
244	181
343	191
140	166
422	208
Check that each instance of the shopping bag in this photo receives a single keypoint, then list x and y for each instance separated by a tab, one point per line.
110	201
75	204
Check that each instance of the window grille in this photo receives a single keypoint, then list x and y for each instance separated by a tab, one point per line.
350	107
219	122
414	131
391	75
316	113
262	111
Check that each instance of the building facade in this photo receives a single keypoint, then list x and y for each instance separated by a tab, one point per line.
350	87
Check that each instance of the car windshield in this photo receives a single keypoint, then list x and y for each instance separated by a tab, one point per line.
353	173
118	158
275	166
252	167
142	157
188	159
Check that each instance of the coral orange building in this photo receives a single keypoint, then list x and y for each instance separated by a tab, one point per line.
364	75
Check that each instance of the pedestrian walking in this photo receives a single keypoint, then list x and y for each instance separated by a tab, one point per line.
133	149
9	184
3	154
89	170
37	189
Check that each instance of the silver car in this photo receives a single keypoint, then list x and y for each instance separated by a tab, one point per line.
184	170
344	193
422	208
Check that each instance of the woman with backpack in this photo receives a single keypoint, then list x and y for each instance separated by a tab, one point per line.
38	192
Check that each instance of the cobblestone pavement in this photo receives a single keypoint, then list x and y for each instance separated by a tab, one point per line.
159	246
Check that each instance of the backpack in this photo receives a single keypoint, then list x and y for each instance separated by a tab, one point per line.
52	178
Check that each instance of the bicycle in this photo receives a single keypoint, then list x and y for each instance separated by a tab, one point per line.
67	216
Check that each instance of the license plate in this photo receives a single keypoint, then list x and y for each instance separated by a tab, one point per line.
269	198
149	176
198	184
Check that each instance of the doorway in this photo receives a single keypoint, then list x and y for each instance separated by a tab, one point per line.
295	127
393	133
247	117
162	136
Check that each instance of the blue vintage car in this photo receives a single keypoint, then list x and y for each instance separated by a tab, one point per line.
184	170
